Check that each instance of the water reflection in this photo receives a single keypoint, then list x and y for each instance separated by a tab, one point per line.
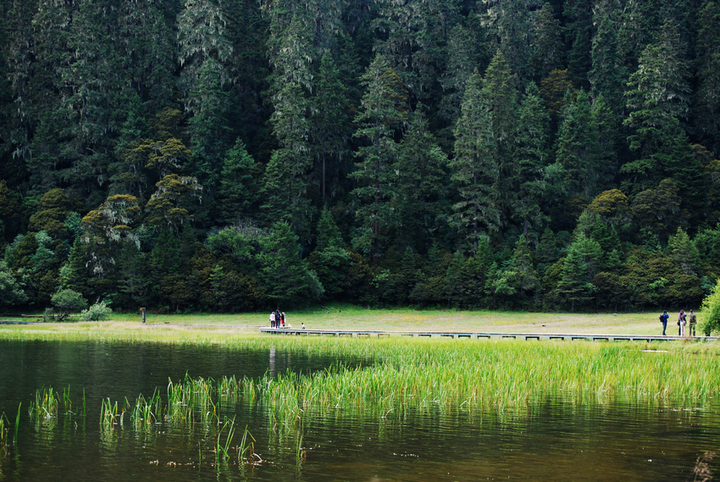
554	440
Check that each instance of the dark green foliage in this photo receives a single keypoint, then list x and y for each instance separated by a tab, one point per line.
286	275
577	147
578	35
384	111
330	261
580	266
238	175
68	301
11	292
707	99
148	147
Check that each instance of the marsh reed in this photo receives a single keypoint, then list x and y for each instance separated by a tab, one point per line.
46	404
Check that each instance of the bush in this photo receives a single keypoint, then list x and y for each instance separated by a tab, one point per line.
98	311
67	301
711	312
49	315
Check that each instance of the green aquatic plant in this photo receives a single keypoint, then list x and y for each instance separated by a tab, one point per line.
46	404
17	424
246	449
66	401
4	437
222	448
146	412
110	415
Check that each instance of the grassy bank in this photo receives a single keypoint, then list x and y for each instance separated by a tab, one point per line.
351	317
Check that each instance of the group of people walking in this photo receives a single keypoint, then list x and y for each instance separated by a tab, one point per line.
684	319
277	319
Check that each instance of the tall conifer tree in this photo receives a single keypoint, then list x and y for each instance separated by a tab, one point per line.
383	112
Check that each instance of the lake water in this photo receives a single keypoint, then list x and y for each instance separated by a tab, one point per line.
553	441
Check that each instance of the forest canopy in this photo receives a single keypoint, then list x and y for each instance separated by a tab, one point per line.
236	155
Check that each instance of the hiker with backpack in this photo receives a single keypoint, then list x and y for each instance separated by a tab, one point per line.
664	319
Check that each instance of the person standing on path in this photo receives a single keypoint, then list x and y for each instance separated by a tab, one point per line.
664	319
272	319
693	323
682	317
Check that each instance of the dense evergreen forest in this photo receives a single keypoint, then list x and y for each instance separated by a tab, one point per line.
233	155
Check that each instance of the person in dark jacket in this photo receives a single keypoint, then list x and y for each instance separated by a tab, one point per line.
664	319
692	319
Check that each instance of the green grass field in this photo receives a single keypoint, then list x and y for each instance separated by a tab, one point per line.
350	317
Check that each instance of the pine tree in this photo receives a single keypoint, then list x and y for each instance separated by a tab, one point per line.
658	100
502	97
16	91
578	34
288	279
203	50
547	47
413	34
511	22
285	184
577	147
93	101
581	264
330	260
237	180
463	57
684	252
531	158
149	52
329	122
475	166
383	111
707	99
607	124
523	265
606	77
420	175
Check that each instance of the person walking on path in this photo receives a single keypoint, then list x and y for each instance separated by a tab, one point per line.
693	323
282	317
682	321
664	319
278	318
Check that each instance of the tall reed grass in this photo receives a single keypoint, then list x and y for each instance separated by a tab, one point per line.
46	404
459	375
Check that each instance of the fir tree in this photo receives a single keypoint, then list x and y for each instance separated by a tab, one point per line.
383	111
420	175
329	122
475	167
531	158
288	279
236	183
581	264
547	47
577	147
707	99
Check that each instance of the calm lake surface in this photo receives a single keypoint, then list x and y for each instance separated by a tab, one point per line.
555	441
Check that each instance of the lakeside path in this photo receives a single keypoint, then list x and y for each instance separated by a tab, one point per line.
353	318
